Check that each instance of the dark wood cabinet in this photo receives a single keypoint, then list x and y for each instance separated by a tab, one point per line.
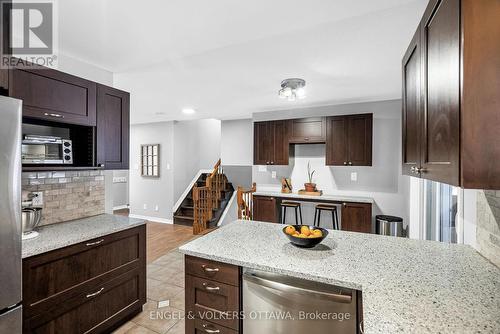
271	145
349	140
450	95
67	290
308	130
113	128
212	289
54	96
356	217
264	209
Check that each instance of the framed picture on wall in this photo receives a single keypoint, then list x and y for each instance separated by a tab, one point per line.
150	160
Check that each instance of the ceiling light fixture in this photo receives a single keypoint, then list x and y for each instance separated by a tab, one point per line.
188	111
292	89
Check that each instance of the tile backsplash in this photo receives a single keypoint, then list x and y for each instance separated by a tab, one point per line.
67	195
488	225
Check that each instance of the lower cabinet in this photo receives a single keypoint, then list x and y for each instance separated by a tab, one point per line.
92	286
357	217
264	209
213	296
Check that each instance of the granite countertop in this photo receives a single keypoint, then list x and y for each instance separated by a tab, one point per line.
60	235
327	197
409	286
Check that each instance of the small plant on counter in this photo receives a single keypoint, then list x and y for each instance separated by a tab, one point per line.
310	186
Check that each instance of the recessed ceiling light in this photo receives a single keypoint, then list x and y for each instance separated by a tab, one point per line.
188	110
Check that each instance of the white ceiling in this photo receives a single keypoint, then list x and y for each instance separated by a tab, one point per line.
226	58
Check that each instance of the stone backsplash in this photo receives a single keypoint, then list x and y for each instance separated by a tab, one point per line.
488	225
67	195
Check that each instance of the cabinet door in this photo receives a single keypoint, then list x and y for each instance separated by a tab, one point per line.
440	38
264	209
359	140
308	130
336	143
262	143
55	96
280	143
113	128
412	106
357	217
6	35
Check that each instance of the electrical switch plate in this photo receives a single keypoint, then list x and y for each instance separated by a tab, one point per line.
354	176
157	208
145	206
262	168
273	174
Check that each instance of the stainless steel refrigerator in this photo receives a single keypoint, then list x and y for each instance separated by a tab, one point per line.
10	216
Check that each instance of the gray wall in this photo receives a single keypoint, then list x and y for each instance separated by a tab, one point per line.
120	190
488	225
237	142
152	191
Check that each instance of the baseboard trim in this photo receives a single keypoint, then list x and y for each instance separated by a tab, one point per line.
120	207
152	219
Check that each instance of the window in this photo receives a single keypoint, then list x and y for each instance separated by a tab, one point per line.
441	212
150	163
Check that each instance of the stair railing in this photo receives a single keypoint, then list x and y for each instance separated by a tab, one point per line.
244	199
207	198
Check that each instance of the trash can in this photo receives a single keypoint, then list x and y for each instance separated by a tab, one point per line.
390	225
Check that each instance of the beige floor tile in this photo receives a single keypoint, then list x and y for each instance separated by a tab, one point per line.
124	328
179	328
179	301
136	329
159	291
177	279
162	273
170	258
157	319
151	268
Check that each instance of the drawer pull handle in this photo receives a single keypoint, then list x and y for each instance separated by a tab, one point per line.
208	329
95	293
53	115
210	270
211	288
94	243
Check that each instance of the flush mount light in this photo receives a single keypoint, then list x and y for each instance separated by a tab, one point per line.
188	111
292	89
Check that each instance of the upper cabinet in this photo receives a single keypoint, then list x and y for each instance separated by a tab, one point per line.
451	95
113	114
308	130
271	145
349	140
54	96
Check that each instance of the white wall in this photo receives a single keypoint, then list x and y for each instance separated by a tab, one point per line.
237	142
196	146
84	70
152	191
383	181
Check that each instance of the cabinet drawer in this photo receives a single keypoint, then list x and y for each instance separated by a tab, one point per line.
215	301
197	326
53	277
212	270
95	310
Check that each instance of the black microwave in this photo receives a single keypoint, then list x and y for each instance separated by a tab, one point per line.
46	150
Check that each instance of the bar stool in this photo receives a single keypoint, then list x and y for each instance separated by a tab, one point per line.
294	205
326	207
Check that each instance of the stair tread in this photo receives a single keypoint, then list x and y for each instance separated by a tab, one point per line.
184	217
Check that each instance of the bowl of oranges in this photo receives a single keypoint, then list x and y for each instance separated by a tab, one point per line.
305	236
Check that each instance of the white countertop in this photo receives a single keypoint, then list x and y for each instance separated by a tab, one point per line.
324	197
409	286
60	235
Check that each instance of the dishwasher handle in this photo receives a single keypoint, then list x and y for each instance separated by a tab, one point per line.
279	286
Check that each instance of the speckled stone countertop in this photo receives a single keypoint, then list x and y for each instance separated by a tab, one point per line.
68	233
409	286
324	197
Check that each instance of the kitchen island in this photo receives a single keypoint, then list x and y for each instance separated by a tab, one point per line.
408	286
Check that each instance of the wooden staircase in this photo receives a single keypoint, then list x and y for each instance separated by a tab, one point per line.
205	203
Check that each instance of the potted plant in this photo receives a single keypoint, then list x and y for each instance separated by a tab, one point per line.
310	186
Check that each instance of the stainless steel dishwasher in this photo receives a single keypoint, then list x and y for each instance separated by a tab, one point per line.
280	304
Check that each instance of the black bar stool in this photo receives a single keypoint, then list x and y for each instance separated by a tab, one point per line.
293	205
326	207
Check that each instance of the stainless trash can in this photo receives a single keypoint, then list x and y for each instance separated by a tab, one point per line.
390	225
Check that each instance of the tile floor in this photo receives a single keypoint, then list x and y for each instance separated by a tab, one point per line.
165	281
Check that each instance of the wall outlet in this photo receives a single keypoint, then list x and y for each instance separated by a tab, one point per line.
168	166
273	174
37	199
354	176
262	168
145	206
157	208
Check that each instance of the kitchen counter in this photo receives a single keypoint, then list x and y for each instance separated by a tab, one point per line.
409	286
60	235
324	197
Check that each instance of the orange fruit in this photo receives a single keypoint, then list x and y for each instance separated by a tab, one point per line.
305	230
290	230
